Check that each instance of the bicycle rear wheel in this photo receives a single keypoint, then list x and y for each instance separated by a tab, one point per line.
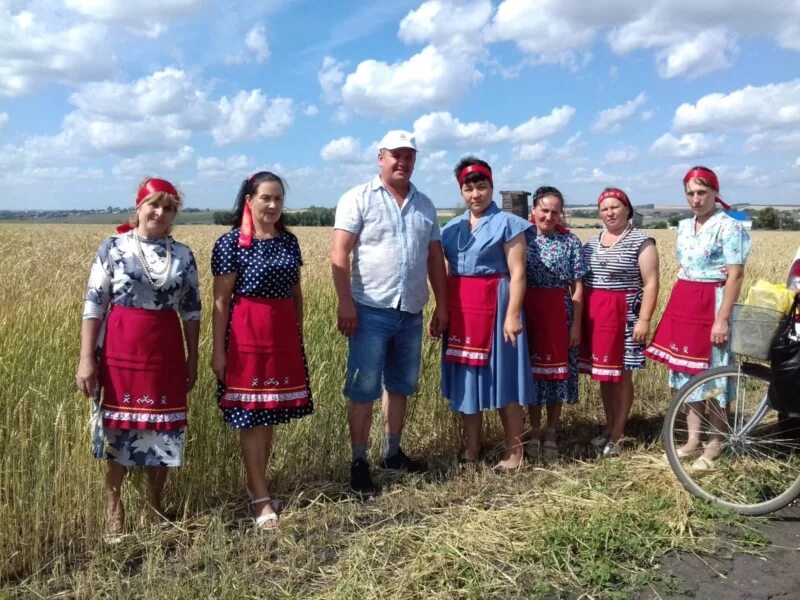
758	470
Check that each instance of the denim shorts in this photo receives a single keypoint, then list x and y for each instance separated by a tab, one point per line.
385	349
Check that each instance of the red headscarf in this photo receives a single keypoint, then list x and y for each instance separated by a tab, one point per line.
619	195
150	186
709	176
476	168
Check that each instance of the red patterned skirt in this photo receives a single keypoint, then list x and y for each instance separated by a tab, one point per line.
143	370
602	352
682	340
548	332
472	303
265	367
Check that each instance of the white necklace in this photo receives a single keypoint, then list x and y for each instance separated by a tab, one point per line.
472	235
156	277
603	249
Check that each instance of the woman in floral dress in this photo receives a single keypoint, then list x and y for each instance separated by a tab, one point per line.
142	285
258	355
553	307
694	332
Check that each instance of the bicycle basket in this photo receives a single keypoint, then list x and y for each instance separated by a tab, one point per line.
752	330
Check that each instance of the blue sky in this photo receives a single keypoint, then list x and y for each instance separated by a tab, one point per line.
95	94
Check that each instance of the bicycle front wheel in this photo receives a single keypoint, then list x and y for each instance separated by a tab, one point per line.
758	468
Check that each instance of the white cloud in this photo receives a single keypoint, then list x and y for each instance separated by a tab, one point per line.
623	154
256	42
154	163
3	119
165	92
689	145
529	151
538	128
311	110
446	23
256	48
331	78
543	28
429	78
537	174
33	55
434	161
611	118
689	38
344	149
752	109
441	129
250	115
233	167
710	50
595	175
773	141
132	13
571	150
162	111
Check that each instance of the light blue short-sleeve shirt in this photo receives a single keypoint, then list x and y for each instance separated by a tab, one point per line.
390	257
702	255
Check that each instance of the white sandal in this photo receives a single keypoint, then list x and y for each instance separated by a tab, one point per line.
266	522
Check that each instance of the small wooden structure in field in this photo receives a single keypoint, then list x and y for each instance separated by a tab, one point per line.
516	202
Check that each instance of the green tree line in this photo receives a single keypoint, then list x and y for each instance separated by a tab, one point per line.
313	216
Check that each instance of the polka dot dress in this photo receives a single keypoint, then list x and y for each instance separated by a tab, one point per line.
268	269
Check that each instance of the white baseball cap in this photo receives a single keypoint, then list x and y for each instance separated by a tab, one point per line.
398	138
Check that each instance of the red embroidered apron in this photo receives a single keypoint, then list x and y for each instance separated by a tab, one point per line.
264	366
548	332
682	340
143	370
602	352
472	305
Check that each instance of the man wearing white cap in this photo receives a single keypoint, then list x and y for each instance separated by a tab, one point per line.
386	242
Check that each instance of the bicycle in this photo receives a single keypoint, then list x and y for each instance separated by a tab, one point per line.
758	470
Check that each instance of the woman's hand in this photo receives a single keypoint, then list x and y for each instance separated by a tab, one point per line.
720	332
575	334
512	327
640	331
191	375
218	362
86	377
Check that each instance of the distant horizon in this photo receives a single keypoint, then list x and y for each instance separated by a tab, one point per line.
119	209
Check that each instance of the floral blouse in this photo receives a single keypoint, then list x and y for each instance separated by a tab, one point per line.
117	277
703	255
554	260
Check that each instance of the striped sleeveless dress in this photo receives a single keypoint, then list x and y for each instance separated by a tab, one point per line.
616	268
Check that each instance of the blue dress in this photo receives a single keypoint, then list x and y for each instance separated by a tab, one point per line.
555	261
507	378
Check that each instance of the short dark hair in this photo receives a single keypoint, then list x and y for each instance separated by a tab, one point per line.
547	190
471	177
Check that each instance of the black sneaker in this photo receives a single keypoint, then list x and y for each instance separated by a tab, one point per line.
360	479
400	463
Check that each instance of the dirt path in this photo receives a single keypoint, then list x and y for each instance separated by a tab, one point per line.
775	575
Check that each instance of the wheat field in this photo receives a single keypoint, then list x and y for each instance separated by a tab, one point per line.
422	538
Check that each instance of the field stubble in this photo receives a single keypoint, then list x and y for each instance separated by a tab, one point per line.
459	533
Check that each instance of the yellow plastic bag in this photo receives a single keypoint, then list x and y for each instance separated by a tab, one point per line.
770	295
